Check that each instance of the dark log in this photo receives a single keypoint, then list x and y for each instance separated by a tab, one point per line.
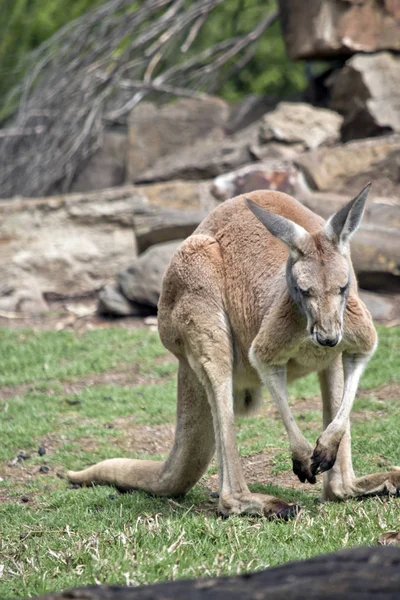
357	573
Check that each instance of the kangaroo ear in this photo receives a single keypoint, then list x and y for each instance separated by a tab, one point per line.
342	225
291	234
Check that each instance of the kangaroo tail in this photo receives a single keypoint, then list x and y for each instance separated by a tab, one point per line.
191	453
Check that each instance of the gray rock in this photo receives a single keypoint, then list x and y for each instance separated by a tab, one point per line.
382	308
112	302
106	168
367	92
154	132
67	245
22	296
271	175
329	168
297	122
250	109
141	282
334	28
204	160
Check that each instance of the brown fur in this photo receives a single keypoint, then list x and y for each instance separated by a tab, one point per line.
226	313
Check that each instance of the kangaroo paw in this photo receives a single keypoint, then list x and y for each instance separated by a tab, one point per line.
302	468
323	457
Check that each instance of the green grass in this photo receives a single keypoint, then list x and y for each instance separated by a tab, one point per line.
62	537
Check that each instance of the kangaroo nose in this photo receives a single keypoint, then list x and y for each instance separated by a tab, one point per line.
322	341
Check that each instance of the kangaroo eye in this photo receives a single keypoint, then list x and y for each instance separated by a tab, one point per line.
305	293
343	289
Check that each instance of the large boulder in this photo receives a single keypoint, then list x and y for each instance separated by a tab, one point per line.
367	92
111	301
174	210
335	28
209	158
154	132
385	175
281	176
141	282
329	168
297	122
383	308
66	245
72	245
106	168
204	160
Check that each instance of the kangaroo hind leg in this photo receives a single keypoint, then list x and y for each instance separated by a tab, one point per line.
340	482
209	352
191	453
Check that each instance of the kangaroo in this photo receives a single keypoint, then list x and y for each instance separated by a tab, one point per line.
263	292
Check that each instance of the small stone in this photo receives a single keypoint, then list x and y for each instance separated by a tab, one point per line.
75	486
23	456
41	451
73	402
44	469
151	321
24	499
214	495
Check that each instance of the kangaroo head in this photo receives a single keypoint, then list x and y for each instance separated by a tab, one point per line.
318	267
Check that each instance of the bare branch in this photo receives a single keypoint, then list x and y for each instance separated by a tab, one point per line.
97	69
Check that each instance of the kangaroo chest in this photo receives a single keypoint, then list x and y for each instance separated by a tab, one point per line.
308	358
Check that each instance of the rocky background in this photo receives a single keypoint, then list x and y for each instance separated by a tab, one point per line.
110	238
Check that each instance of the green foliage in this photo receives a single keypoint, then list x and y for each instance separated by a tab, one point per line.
25	24
269	71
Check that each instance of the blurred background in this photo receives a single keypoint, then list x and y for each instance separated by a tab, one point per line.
122	124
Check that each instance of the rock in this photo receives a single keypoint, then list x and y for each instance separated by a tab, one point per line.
335	28
106	168
21	295
367	92
382	308
112	302
385	175
179	195
204	160
209	158
174	210
157	225
66	245
250	109
297	122
271	175
329	168
337	576
141	283
155	131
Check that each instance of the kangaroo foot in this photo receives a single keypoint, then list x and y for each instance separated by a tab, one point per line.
378	483
256	504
